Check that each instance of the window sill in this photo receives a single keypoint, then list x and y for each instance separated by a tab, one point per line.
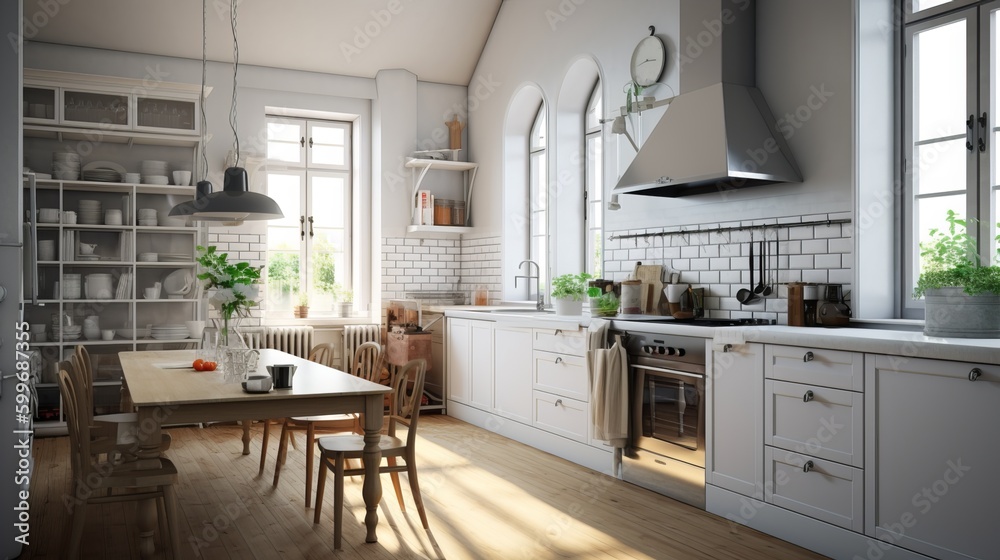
319	321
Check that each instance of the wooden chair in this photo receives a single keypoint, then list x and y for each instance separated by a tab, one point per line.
94	482
336	450
367	364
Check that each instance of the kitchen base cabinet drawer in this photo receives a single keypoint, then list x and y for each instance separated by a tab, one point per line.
820	489
827	368
561	374
560	341
561	415
818	421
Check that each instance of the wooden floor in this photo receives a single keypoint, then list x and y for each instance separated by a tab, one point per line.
486	497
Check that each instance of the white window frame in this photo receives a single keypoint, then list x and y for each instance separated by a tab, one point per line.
982	89
307	170
537	152
593	173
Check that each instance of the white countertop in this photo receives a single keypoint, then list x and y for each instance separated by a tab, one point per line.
870	340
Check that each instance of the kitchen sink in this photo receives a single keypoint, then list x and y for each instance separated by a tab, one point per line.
522	310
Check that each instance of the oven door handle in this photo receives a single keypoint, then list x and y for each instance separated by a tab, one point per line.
669	371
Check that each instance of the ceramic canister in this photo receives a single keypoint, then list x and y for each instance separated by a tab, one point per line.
631	296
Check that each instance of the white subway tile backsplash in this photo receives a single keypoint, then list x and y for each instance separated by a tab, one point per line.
818	254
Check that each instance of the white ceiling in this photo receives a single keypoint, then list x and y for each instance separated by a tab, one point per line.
438	40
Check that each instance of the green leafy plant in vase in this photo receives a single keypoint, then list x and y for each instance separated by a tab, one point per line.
301	311
961	295
568	293
233	288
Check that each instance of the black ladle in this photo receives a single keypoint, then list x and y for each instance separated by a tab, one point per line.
745	295
763	255
772	275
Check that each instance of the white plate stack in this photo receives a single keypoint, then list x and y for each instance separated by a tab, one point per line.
66	166
148	257
90	212
154	172
102	175
71	286
169	332
147	217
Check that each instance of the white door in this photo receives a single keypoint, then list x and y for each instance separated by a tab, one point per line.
459	366
734	420
481	362
512	373
932	466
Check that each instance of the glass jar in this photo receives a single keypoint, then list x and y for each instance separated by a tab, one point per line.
458	213
442	212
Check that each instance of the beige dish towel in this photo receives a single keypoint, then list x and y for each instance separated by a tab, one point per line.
608	369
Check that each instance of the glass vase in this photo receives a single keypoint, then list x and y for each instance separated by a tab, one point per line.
229	342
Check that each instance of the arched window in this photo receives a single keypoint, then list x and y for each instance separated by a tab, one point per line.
594	181
538	187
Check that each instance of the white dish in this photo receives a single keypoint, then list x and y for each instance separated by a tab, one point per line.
104	165
178	282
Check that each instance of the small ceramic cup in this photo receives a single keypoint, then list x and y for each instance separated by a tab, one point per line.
107	334
258	383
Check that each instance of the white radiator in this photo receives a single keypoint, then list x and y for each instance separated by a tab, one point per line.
294	340
356	335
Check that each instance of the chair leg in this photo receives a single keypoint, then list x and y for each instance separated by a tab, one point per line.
282	449
320	487
338	499
310	456
411	472
161	521
263	446
170	505
76	531
395	483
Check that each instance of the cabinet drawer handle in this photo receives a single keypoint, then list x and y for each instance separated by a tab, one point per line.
808	466
975	374
727	348
808	357
558	332
559	360
808	396
558	402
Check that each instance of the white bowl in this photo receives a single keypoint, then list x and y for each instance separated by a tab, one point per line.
48	215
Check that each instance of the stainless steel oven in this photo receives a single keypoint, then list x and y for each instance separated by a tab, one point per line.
666	446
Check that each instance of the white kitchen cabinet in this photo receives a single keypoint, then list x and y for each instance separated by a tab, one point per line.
734	458
561	415
932	464
817	366
818	421
561	374
481	363
458	351
512	372
821	489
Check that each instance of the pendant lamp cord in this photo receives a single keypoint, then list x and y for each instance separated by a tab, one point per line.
204	62
236	66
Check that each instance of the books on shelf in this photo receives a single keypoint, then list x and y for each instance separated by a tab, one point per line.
124	286
425	208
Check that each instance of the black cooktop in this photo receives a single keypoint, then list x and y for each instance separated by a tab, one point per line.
697	322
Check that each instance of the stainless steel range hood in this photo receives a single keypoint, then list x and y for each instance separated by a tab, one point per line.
718	134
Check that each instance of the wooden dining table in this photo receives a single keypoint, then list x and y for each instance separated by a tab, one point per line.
165	393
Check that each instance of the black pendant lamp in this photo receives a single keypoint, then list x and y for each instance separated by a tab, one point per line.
235	203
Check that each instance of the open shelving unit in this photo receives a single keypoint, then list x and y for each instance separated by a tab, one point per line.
420	167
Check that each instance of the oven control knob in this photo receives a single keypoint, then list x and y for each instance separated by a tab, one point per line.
669	350
680	352
647	349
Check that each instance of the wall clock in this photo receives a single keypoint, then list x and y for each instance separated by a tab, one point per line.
648	60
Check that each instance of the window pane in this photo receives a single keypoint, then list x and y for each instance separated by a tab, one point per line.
282	276
283	238
286	190
328	155
919	5
939	80
941	167
595	173
595	110
328	240
283	142
931	213
539	186
328	206
328	135
538	254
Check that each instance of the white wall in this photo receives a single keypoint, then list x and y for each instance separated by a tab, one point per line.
802	47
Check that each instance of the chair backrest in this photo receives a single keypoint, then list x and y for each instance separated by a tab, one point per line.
407	390
322	354
85	365
368	361
76	425
82	381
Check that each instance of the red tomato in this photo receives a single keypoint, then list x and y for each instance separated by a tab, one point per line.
210	366
198	365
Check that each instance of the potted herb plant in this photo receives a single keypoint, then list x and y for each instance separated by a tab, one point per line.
301	311
568	292
345	301
962	297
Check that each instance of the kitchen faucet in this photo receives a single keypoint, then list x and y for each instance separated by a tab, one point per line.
538	282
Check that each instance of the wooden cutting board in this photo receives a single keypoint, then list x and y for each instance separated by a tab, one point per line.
651	276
